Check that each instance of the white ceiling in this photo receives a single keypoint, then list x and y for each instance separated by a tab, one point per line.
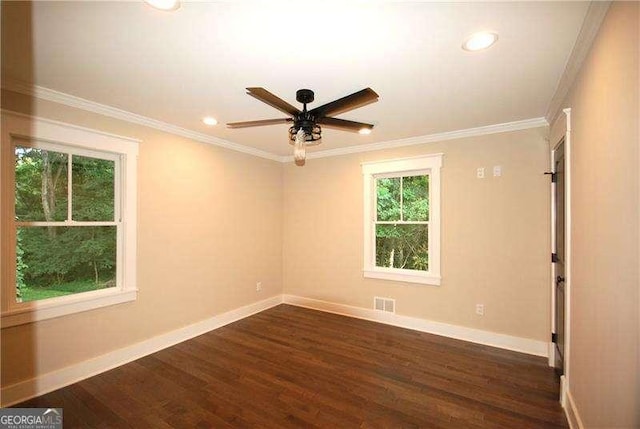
179	66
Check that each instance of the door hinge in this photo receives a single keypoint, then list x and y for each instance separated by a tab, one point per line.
554	337
554	257
554	176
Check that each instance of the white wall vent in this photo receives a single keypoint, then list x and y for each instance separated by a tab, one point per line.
384	304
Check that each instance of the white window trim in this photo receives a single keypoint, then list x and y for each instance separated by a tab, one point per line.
426	164
18	127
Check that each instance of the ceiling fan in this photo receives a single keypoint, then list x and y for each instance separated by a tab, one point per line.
306	130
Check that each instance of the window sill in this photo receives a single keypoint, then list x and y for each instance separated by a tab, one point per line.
42	310
408	276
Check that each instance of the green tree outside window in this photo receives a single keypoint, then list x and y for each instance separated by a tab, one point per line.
55	259
402	228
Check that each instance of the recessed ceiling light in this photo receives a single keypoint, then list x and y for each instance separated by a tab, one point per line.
480	41
168	5
364	131
210	121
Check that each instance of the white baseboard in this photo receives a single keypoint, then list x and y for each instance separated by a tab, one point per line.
571	411
552	354
524	345
49	382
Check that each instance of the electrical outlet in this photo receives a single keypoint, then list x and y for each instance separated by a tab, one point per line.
480	173
497	171
480	309
258	286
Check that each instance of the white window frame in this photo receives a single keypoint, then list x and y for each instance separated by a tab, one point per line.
421	165
23	130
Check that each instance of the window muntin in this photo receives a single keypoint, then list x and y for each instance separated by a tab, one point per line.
66	232
402	219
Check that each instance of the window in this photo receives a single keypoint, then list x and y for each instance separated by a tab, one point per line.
402	219
68	219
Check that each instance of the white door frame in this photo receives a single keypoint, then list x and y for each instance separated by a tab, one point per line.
561	132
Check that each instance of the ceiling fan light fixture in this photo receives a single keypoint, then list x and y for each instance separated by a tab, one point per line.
299	150
166	5
312	134
364	131
479	41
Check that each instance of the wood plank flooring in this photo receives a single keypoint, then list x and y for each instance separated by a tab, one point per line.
289	367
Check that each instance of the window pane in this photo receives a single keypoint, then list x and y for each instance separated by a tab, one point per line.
415	198
41	185
388	199
92	189
402	246
57	261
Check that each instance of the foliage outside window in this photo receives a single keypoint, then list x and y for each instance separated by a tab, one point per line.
402	227
68	205
402	222
66	229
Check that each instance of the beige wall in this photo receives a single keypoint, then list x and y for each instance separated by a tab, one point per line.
209	227
212	223
604	368
495	235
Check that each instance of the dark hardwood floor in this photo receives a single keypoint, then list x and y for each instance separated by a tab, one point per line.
289	367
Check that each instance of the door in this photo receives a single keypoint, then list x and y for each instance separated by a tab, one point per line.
559	256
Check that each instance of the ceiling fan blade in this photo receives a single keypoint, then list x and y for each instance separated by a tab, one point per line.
273	100
343	124
350	102
258	123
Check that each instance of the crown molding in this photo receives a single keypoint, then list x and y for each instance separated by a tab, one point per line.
430	138
69	126
113	112
103	109
588	32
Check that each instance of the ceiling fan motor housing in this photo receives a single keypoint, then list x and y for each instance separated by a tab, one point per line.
304	120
